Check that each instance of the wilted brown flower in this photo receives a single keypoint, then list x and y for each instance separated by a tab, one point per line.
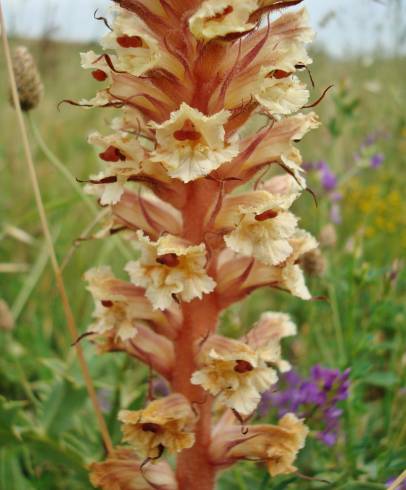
28	80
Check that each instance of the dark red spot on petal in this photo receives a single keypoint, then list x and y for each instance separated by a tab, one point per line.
151	427
266	215
170	260
99	75
188	132
130	41
242	366
279	74
107	303
112	154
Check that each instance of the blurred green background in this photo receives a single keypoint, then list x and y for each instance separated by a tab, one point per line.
47	428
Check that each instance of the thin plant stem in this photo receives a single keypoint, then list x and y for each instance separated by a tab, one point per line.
337	323
83	236
48	238
54	160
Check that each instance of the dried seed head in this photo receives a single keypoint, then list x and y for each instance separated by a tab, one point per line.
6	317
28	80
328	236
314	263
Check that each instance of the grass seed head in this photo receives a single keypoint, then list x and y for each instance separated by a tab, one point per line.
28	80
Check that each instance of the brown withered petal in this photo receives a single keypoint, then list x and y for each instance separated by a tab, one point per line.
28	80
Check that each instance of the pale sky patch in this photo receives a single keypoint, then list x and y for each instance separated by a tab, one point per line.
343	26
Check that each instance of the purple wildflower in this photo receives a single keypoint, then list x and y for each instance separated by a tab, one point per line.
315	399
402	486
328	180
377	160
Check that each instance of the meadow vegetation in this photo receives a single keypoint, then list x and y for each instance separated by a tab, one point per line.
47	429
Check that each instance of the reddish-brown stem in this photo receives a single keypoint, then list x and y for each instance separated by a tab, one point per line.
194	469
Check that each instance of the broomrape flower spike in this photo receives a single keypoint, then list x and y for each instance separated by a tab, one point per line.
185	179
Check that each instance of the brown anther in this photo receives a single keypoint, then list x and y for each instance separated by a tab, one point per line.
130	41
170	260
188	132
266	215
279	74
99	75
221	15
151	427
107	303
112	154
242	366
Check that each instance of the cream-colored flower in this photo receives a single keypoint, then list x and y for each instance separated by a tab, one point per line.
282	49
123	155
282	96
263	225
137	48
292	277
234	372
191	145
113	311
166	423
122	471
121	150
238	275
276	445
96	62
217	18
170	266
289	275
266	335
108	188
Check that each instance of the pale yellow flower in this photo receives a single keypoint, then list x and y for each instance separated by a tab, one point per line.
166	423
266	335
191	145
283	50
282	96
263	225
234	372
217	18
170	266
289	275
122	471
118	304
137	49
238	275
123	155
276	445
96	62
